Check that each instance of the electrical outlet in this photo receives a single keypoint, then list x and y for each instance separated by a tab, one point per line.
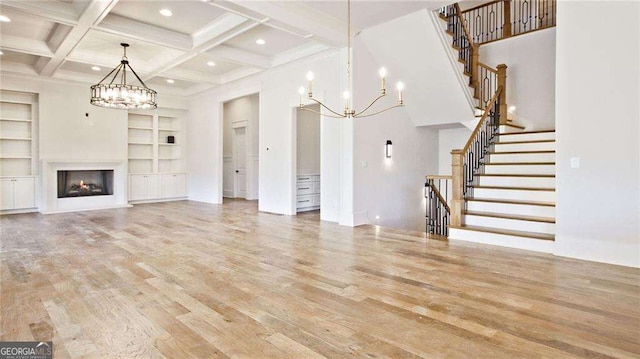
575	162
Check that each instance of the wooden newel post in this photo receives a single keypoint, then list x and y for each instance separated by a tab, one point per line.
475	55
506	27
457	197
502	83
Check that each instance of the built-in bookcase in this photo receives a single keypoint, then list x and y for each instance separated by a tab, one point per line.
18	151
18	129
150	149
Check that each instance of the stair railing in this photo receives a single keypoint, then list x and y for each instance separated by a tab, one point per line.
468	162
438	213
461	38
501	19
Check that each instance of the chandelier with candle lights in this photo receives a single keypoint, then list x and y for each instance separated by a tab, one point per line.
120	94
349	111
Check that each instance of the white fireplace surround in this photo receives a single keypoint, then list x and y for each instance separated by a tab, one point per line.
52	204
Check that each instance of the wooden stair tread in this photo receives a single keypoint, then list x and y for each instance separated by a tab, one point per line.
516	188
526	132
535	235
512	216
520	152
510	201
520	163
519	142
515	175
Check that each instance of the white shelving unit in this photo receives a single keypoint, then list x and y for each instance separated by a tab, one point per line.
156	166
18	151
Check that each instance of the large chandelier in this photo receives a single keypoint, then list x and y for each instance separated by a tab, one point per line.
121	95
349	111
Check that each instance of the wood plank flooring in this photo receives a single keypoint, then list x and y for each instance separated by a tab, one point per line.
192	280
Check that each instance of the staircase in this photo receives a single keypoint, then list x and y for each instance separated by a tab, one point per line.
503	181
513	201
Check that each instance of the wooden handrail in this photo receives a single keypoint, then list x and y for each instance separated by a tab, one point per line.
487	67
487	110
464	25
442	200
482	5
435	177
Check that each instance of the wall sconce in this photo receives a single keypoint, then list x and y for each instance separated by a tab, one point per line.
388	148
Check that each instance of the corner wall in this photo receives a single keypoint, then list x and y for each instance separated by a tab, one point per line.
388	192
598	121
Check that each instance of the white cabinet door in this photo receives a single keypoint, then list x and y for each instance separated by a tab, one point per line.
153	187
137	187
167	186
6	194
24	192
180	185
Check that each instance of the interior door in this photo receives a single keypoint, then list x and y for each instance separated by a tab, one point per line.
240	161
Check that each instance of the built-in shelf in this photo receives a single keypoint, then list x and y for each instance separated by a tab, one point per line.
149	147
16	138
18	134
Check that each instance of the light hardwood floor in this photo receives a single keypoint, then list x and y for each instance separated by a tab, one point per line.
186	279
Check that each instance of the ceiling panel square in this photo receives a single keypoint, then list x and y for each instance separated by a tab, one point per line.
22	25
276	41
199	63
188	15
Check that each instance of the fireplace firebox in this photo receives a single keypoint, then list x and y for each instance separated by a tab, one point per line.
85	183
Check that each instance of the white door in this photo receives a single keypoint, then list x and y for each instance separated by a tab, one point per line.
240	161
137	187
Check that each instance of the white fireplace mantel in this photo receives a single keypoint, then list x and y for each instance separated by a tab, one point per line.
52	204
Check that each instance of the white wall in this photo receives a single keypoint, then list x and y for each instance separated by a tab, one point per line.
450	139
531	75
278	99
308	141
389	188
411	49
598	121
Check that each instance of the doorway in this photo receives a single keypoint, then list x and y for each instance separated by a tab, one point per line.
308	160
240	148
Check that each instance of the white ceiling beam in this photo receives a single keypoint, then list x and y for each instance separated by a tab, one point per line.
298	53
55	11
238	74
95	11
224	33
231	54
293	16
122	26
25	45
191	76
217	28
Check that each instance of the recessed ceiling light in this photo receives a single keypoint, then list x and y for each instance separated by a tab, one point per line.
170	81
95	68
166	12
1	53
4	19
211	63
260	42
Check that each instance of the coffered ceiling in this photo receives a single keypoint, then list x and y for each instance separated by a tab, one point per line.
202	44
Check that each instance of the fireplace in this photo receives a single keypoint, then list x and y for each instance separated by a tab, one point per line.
85	183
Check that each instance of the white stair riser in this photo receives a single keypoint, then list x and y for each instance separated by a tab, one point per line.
522	157
528	137
515	194
515	209
530	146
520	169
536	182
509	129
501	240
512	224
